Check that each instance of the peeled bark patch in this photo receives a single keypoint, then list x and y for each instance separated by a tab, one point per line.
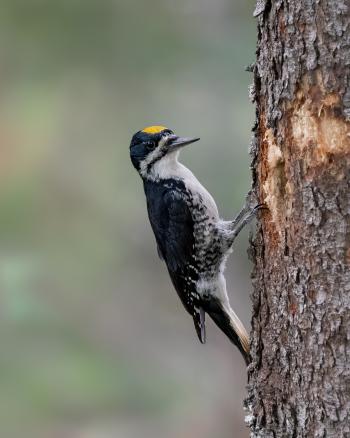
299	380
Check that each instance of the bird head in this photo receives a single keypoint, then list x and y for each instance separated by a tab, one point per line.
152	144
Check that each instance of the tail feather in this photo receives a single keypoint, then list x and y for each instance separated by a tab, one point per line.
199	323
233	328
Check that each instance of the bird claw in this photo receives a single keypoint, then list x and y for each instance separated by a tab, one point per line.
261	206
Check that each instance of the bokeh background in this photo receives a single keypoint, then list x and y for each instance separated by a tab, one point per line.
94	340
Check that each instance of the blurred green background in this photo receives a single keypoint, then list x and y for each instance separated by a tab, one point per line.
94	340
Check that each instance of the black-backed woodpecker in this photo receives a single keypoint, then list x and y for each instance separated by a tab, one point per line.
191	238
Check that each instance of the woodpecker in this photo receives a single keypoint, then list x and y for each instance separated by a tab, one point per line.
191	237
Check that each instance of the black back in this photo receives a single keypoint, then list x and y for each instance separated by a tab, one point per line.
172	223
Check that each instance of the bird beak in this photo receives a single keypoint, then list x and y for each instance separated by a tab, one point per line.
178	142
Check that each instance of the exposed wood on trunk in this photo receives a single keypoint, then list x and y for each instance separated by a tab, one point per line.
299	380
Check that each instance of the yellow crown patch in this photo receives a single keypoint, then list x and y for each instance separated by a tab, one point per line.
154	129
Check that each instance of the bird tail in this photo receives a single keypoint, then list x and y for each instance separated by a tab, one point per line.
199	323
233	328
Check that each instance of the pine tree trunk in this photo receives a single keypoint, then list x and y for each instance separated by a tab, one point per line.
299	379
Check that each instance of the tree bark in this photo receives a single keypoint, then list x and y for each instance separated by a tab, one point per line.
299	379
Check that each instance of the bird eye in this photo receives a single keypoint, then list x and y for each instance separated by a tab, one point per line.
150	145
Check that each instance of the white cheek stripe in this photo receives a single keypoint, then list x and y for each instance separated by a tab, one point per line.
151	157
148	160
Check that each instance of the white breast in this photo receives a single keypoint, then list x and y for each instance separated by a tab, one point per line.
169	167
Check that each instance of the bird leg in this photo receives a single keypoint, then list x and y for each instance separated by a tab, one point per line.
242	219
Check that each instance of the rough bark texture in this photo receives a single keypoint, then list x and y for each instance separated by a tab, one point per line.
299	380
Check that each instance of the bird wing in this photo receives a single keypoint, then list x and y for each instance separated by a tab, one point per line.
175	231
173	227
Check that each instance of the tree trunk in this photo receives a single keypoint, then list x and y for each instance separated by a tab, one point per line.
299	379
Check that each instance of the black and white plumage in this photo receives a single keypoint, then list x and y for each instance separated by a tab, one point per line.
191	238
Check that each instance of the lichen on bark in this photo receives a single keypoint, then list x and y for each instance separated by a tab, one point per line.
299	379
